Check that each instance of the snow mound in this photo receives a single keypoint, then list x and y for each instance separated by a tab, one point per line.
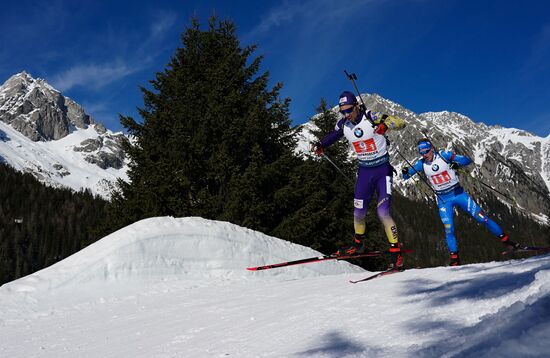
167	248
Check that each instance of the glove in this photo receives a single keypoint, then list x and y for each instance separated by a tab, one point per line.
317	148
381	128
454	165
405	171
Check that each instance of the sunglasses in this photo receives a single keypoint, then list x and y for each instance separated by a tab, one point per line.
424	150
347	111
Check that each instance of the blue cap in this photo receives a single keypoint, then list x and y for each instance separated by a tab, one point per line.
424	147
346	98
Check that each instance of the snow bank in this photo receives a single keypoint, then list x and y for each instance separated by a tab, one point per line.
177	248
134	294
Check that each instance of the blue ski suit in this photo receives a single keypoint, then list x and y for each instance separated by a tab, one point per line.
444	181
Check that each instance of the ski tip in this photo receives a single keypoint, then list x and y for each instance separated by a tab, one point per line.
526	249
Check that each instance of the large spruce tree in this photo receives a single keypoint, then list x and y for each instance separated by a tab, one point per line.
215	141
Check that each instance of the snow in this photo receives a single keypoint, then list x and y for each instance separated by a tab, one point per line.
42	157
178	287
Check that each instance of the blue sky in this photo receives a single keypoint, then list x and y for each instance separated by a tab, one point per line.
489	60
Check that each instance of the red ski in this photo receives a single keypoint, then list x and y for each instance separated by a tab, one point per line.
323	258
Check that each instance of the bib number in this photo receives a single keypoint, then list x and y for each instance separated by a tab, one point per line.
365	146
441	178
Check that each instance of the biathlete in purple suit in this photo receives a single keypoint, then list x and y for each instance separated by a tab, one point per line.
365	131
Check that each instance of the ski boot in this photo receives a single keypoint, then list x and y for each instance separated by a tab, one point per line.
455	261
359	246
505	239
396	257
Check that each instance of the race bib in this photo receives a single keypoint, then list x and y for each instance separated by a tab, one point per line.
365	146
441	178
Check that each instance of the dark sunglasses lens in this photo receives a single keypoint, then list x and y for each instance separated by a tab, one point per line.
346	111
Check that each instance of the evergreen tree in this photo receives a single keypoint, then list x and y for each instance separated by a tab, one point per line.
214	141
40	225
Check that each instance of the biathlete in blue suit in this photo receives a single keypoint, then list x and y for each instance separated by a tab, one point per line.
439	168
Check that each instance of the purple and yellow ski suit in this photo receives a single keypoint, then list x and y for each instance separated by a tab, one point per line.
374	174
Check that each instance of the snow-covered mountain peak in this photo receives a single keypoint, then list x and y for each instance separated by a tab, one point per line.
23	86
514	161
39	111
50	136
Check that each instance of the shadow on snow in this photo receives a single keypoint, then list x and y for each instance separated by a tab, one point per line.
521	329
334	344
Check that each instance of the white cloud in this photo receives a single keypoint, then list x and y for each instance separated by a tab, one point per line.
96	75
279	15
93	75
310	14
162	22
537	60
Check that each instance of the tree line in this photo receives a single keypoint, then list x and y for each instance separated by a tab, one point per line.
40	225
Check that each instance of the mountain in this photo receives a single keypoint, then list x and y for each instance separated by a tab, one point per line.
513	161
178	287
49	135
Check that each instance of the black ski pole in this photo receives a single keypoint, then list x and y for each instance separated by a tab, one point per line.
352	77
471	176
338	168
420	176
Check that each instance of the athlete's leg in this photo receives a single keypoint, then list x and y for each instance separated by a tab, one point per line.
384	183
446	207
363	194
468	204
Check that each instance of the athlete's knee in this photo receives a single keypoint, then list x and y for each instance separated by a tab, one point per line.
383	209
359	213
359	208
480	217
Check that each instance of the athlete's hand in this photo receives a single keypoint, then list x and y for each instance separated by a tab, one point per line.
454	165
405	173
316	148
380	128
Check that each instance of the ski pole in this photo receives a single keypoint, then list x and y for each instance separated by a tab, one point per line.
337	168
487	185
476	179
352	77
492	156
420	176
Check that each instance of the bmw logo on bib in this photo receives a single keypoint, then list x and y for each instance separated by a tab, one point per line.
435	167
358	132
